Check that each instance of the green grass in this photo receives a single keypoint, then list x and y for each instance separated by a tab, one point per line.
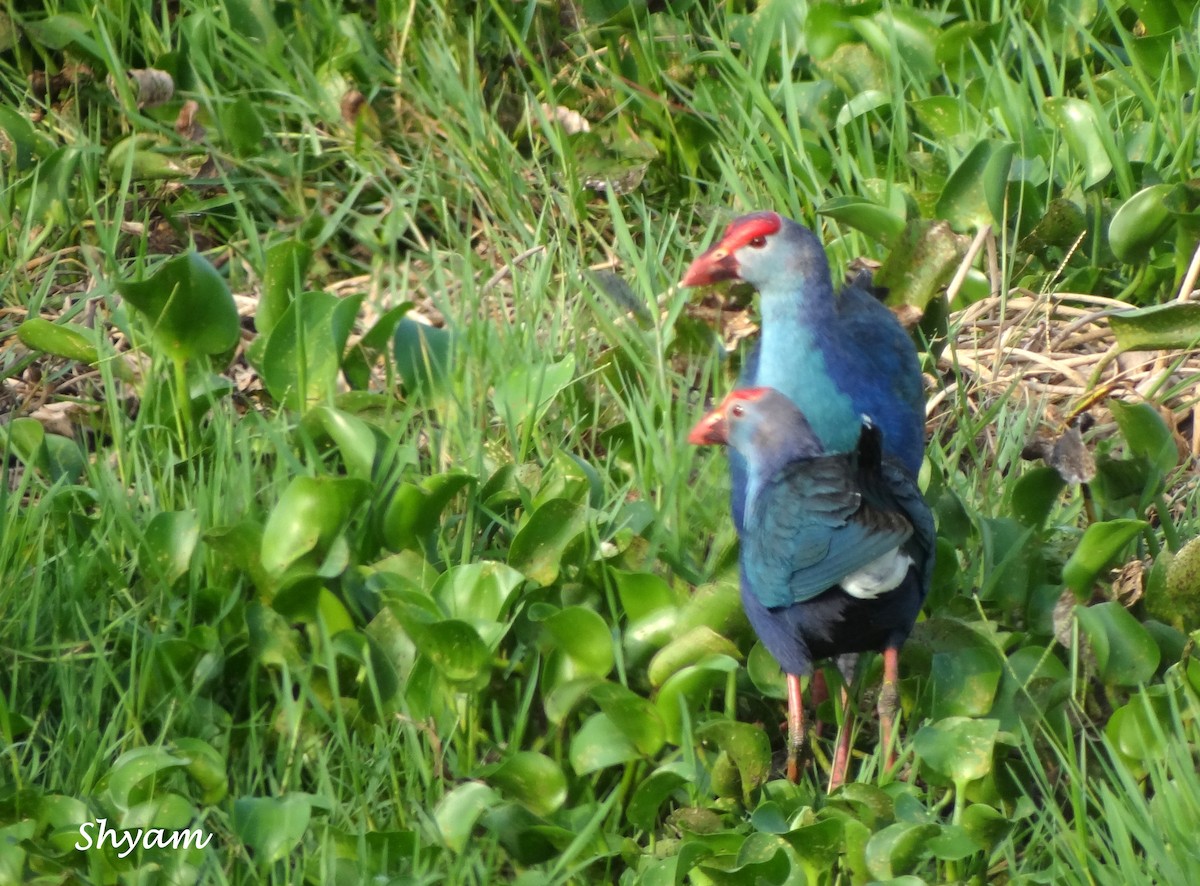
543	674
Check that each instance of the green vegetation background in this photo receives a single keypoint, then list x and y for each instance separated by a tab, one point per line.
348	514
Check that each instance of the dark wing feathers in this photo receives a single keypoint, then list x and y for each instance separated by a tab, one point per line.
810	528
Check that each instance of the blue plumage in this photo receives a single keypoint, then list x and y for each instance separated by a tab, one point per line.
839	359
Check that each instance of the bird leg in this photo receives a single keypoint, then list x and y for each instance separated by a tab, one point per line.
889	703
795	728
818	692
841	756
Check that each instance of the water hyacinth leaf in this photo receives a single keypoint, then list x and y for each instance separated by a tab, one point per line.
583	636
649	796
953	843
205	765
826	27
168	543
526	392
66	340
986	825
919	263
424	356
1125	653
304	350
357	363
133	776
308	516
636	717
906	33
688	689
457	813
1140	224
1035	494
188	304
963	682
415	511
1099	546
974	194
147	157
271	827
1080	128
598	744
285	269
761	858
354	439
1146	434
863	103
819	844
765	673
242	127
877	222
240	546
687	649
1174	326
957	748
538	548
643	595
532	779
452	646
477	591
899	849
1140	728
748	749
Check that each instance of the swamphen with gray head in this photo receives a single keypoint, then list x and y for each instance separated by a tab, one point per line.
837	357
836	548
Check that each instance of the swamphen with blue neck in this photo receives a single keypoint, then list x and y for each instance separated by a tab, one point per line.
836	548
838	358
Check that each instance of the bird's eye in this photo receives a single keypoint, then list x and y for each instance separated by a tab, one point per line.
758	242
737	410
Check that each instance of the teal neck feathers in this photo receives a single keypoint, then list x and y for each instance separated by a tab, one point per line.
792	358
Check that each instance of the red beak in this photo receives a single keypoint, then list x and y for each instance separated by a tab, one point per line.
712	430
715	265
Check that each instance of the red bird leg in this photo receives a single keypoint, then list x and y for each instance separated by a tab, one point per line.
841	756
818	691
889	703
795	728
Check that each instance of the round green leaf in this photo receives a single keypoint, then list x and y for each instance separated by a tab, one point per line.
206	767
1173	326
424	355
974	194
688	689
1100	544
633	715
308	516
538	547
533	780
583	636
598	744
477	591
687	649
1125	652
125	783
957	748
898	849
169	541
458	811
271	827
1080	128
648	797
188	305
747	746
1140	224
353	436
